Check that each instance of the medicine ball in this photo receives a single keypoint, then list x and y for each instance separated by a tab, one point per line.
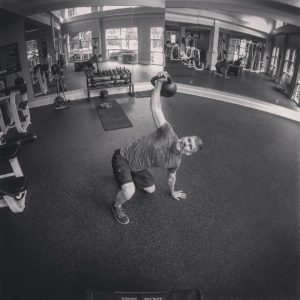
103	93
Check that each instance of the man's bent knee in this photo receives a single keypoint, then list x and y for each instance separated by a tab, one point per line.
128	190
150	189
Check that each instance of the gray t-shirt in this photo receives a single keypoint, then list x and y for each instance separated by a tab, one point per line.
154	150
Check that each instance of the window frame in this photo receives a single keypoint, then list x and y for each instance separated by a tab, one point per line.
154	52
122	40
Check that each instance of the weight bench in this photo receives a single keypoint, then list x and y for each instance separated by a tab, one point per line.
13	185
20	139
13	193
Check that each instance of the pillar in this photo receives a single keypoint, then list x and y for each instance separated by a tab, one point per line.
267	55
212	53
282	59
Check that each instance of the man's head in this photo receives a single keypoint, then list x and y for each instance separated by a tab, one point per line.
188	144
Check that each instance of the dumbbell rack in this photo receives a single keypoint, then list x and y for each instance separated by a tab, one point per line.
109	78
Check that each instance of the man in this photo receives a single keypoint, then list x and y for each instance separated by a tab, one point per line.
162	148
222	68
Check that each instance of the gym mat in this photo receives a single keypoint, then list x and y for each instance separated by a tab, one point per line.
143	94
114	117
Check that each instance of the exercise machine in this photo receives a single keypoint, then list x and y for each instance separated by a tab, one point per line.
13	185
195	59
175	52
40	73
14	109
60	101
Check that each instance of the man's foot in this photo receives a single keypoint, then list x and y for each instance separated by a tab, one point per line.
120	215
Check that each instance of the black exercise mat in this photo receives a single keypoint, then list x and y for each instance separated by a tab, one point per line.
114	117
143	94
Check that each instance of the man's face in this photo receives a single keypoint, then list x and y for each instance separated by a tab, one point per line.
186	145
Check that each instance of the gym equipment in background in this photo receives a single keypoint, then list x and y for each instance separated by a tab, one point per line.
39	72
60	101
168	89
13	185
108	78
186	57
14	109
196	60
175	52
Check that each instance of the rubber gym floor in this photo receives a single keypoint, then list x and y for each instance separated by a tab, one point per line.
236	236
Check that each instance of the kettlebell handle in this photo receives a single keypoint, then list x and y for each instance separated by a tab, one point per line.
153	79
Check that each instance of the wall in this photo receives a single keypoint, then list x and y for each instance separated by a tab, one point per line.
294	42
44	34
92	25
81	26
14	32
285	41
99	24
280	41
143	22
203	41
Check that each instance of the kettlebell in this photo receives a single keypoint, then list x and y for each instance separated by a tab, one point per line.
168	89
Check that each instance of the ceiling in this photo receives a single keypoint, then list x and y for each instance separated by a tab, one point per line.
29	7
283	10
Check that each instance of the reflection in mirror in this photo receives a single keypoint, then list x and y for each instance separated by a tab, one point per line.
229	51
117	43
187	43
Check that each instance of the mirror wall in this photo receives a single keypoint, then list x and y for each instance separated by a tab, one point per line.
105	39
227	51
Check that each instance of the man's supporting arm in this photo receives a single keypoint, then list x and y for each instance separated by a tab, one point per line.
171	182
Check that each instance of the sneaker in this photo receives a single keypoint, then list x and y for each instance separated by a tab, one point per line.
120	215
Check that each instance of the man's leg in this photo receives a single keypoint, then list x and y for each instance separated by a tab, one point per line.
122	174
144	180
126	193
218	71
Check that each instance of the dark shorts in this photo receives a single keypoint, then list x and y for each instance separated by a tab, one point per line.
221	70
123	174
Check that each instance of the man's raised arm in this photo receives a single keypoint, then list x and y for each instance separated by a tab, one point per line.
155	102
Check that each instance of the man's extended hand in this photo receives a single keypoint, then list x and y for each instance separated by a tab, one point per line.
163	76
178	194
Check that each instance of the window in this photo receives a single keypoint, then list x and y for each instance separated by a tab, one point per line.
288	68
32	54
274	62
237	48
71	12
296	93
278	24
157	45
173	38
120	41
77	11
79	45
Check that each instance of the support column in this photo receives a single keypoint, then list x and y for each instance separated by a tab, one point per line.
282	59
212	53
182	32
181	36
267	55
